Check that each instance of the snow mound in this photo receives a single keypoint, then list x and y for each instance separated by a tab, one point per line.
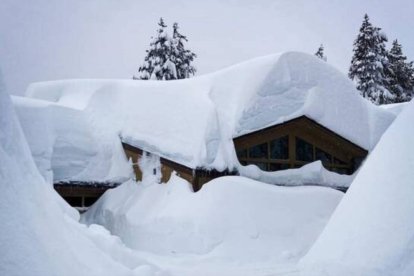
200	116
66	146
40	234
311	174
372	230
231	220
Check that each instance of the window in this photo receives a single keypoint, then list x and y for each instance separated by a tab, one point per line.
90	200
259	151
74	201
242	153
326	158
304	150
278	167
279	148
274	151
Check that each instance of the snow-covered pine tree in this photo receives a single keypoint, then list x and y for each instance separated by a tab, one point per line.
181	56
320	53
157	64
400	74
368	62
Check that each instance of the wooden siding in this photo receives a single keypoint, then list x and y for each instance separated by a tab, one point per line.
167	166
197	177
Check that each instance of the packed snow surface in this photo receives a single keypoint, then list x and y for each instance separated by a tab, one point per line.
66	145
372	230
193	121
40	234
229	227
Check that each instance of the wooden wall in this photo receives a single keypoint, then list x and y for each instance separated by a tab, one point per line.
167	166
197	177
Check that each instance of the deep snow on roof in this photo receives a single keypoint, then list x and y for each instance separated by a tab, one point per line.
66	146
193	121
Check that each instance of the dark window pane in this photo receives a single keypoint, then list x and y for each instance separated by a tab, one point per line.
242	153
279	148
325	157
90	200
244	163
259	151
304	150
339	162
74	201
278	167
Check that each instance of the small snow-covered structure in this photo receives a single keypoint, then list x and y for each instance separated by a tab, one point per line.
197	125
372	231
80	160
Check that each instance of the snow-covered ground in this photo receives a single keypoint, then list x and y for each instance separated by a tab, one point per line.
231	226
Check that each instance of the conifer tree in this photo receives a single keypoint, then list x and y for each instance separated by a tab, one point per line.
320	53
167	57
400	74
157	64
181	56
369	62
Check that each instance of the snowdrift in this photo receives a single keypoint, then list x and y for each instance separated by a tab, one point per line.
372	230
232	221
66	146
201	116
40	234
312	174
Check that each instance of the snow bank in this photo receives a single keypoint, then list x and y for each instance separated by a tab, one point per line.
232	221
312	174
193	121
66	146
39	234
372	230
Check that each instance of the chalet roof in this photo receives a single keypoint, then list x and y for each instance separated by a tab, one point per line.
193	121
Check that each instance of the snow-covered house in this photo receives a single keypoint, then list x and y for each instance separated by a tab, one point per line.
276	112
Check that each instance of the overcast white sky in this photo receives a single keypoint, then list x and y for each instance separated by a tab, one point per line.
50	39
